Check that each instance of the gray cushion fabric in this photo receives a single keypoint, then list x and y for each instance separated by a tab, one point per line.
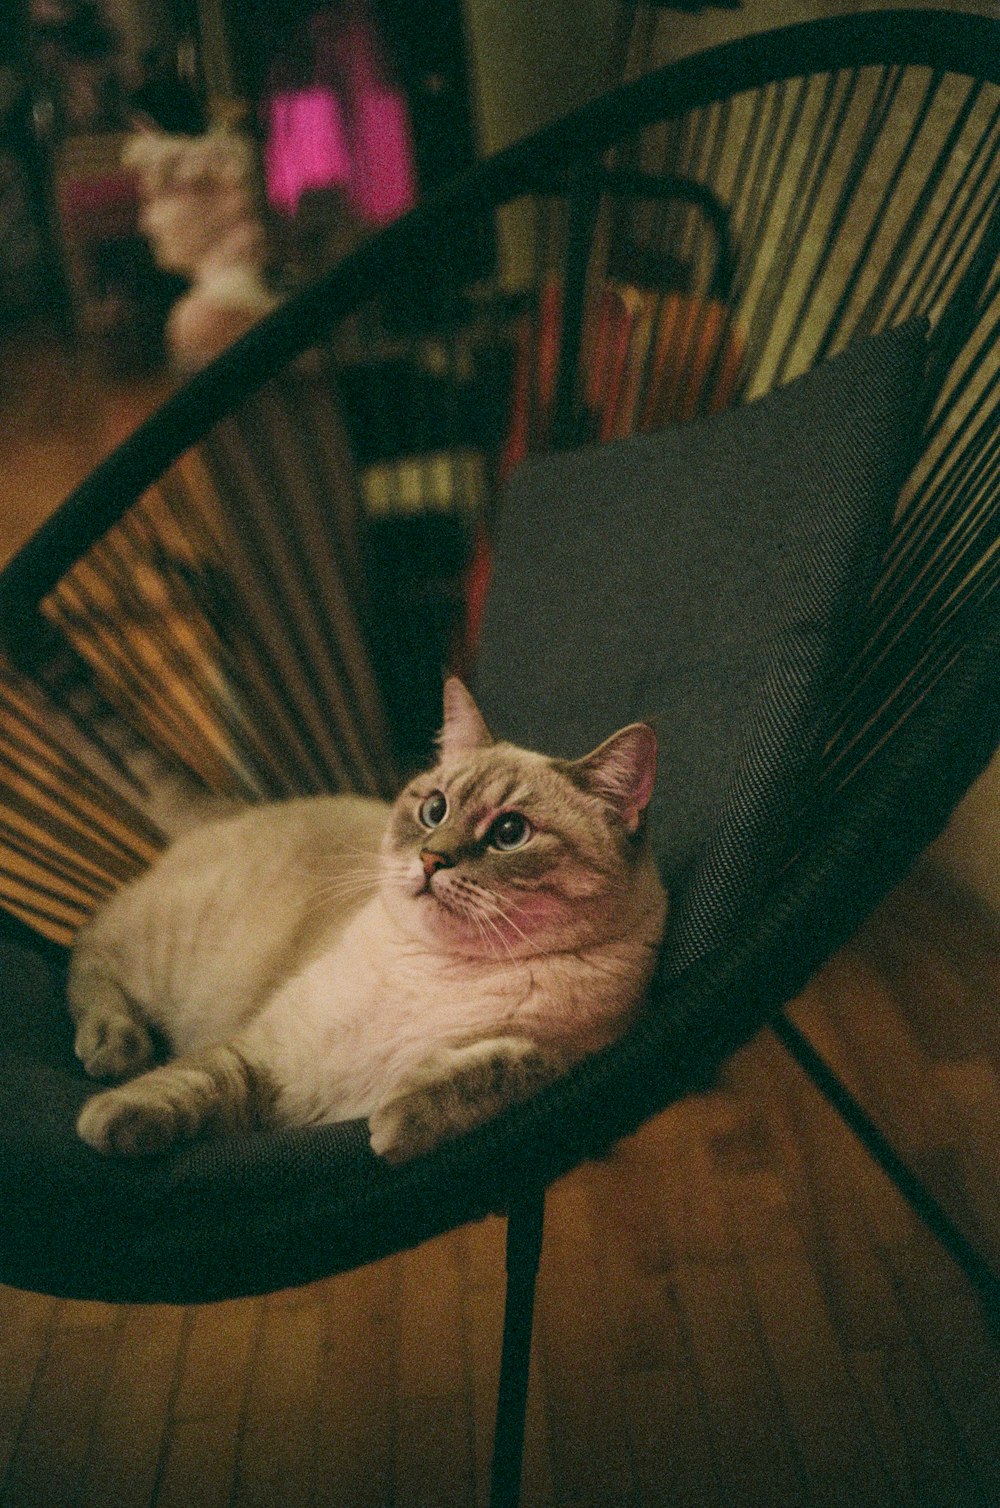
710	578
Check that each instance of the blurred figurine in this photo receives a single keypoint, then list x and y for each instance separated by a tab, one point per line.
199	213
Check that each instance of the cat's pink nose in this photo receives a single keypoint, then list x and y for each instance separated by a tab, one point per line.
432	861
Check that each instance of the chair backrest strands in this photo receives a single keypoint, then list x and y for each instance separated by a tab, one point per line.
211	641
850	190
812	210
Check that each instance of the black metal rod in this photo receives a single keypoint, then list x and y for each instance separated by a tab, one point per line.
583	208
525	1219
975	1267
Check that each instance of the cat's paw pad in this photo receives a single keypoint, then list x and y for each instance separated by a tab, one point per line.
113	1047
122	1123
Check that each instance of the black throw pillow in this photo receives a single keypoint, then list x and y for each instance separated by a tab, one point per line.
712	579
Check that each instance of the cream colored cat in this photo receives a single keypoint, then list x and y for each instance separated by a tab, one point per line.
423	965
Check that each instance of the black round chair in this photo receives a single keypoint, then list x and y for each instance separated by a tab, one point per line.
786	553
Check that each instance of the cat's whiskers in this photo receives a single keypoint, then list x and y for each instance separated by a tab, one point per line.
345	883
482	906
343	888
330	909
481	920
460	899
490	897
503	940
318	875
323	870
487	943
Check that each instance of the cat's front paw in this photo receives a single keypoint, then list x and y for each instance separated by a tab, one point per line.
113	1047
406	1127
455	1090
126	1123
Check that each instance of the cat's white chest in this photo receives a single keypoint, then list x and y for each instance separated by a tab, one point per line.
361	1015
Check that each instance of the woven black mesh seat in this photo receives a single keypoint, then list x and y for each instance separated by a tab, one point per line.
207	595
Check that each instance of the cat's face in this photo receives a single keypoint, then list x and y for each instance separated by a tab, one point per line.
499	852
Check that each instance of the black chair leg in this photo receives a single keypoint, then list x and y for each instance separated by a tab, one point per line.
524	1245
975	1267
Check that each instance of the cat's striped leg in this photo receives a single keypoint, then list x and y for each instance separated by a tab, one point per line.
457	1088
218	1089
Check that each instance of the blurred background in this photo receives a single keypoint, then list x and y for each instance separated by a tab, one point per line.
128	258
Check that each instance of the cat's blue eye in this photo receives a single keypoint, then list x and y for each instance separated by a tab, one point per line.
433	810
510	830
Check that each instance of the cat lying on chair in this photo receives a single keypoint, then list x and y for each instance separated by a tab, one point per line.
423	965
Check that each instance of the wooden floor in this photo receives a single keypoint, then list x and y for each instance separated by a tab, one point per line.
735	1308
60	412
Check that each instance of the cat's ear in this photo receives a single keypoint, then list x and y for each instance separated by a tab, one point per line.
464	728
622	771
